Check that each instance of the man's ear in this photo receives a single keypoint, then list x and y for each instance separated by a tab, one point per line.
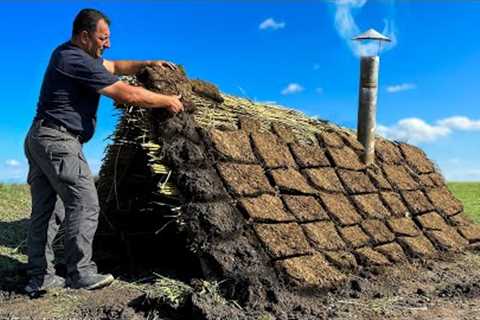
84	37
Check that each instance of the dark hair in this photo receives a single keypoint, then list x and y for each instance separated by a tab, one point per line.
87	20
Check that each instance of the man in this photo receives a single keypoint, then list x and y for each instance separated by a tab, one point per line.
65	119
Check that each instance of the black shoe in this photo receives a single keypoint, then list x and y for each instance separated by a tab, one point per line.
40	284
91	281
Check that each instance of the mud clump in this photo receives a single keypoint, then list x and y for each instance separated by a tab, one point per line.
471	290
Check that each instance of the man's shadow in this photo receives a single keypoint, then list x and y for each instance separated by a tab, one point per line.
13	235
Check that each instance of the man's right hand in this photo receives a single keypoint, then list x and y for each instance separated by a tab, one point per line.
173	104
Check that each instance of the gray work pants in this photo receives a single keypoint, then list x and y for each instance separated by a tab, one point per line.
63	190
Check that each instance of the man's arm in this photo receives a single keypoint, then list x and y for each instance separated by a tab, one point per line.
128	67
126	94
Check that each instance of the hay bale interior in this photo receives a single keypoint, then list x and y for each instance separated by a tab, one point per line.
275	204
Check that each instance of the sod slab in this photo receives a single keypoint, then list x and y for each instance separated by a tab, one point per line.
394	203
470	232
369	257
250	124
459	219
371	206
437	179
309	155
244	179
324	179
311	272
232	145
378	231
400	178
417	247
340	209
432	221
447	239
403	227
356	181
291	181
393	251
354	236
351	140
330	139
323	235
388	152
426	181
272	152
443	200
343	260
266	208
417	202
305	208
345	158
285	133
378	178
416	159
282	239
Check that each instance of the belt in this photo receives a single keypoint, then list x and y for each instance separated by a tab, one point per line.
52	125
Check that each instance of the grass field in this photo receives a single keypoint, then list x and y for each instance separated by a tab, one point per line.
469	194
15	209
14	212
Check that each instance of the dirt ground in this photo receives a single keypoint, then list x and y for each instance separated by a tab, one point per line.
448	288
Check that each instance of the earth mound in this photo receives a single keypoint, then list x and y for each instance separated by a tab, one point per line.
274	205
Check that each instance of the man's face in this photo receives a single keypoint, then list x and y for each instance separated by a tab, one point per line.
96	42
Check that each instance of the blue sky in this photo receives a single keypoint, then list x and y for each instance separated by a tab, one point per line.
296	53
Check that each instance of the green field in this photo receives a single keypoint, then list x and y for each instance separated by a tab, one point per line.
469	194
14	212
15	209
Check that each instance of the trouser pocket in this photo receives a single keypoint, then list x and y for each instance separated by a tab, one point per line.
69	169
64	156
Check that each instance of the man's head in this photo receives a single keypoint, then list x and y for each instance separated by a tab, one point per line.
91	32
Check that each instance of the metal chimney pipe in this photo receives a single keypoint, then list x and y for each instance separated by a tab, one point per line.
367	106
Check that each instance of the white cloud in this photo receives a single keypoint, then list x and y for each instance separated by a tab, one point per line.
12	163
292	88
415	130
270	23
347	28
460	123
401	87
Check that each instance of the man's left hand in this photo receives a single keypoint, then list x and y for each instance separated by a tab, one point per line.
165	64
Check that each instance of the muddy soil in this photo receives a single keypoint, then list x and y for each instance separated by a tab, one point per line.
448	288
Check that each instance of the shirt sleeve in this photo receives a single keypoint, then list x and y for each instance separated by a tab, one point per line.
86	70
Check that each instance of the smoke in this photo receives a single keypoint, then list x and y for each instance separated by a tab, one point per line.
347	28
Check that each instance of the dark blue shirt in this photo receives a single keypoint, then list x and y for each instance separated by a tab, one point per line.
69	94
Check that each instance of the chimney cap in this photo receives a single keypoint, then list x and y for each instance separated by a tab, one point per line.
372	34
